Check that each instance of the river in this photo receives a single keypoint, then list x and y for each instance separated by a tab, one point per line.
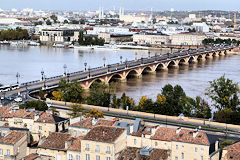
29	62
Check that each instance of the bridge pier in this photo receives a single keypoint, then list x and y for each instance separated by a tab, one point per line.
221	53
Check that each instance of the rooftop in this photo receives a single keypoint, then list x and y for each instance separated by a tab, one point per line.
50	118
31	157
104	134
56	140
90	123
233	151
13	137
181	135
76	144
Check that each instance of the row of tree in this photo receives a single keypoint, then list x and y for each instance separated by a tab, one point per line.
89	40
220	41
14	34
172	100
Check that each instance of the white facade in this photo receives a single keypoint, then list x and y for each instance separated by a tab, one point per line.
111	30
201	27
187	39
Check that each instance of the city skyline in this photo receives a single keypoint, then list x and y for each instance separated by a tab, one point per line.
156	5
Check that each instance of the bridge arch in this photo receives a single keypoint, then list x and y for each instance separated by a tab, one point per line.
172	63
183	61
115	76
215	54
95	80
192	59
148	69
161	66
133	72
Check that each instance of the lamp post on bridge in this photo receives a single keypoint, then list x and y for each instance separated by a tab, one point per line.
126	62
42	73
142	60
65	68
104	60
121	59
89	74
85	64
68	75
149	54
155	56
17	76
135	56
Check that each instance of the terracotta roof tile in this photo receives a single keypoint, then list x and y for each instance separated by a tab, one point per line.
87	123
76	144
233	151
31	157
56	140
104	134
49	118
187	136
13	137
132	153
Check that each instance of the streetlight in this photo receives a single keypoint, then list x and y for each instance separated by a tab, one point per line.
42	73
155	56
126	62
135	55
89	74
44	82
149	54
142	60
68	75
104	60
65	68
85	64
17	76
121	59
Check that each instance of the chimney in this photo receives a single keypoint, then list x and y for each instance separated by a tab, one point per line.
178	130
68	144
94	121
103	133
195	133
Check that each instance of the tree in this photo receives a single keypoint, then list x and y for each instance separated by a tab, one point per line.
199	108
223	115
41	94
48	22
58	95
76	111
175	99
1	85
224	93
38	105
100	95
142	102
94	113
73	93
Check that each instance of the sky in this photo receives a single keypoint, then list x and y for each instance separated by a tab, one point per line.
156	5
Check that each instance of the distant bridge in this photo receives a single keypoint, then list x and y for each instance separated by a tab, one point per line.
121	71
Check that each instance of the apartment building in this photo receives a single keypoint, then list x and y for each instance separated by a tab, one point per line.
38	123
59	35
187	38
151	39
83	127
231	152
13	146
103	142
146	153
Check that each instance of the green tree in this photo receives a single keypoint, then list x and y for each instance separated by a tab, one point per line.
224	93
224	115
48	22
1	85
38	105
199	108
41	94
175	99
76	111
100	95
73	93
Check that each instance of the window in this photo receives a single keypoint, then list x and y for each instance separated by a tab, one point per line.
202	149
182	155
201	157
70	157
108	150
1	152
108	158
176	158
156	144
196	149
77	157
87	147
87	156
8	152
39	128
74	133
97	148
176	147
135	141
97	157
182	146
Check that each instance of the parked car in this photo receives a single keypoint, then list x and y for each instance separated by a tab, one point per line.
18	99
